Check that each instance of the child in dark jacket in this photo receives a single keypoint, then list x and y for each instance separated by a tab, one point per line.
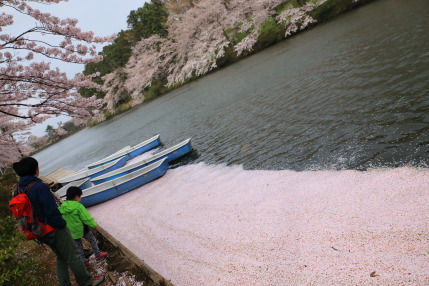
79	220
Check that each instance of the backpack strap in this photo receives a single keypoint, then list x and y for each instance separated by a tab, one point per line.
27	188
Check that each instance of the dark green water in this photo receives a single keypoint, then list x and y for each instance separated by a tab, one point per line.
349	94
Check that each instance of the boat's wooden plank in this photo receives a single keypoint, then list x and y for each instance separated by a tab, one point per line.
52	178
59	173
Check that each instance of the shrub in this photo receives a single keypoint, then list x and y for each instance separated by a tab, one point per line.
14	270
8	182
157	88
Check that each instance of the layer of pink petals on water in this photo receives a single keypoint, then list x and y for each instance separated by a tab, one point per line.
217	225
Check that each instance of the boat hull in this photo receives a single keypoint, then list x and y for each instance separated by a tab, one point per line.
83	184
130	152
170	154
95	172
112	189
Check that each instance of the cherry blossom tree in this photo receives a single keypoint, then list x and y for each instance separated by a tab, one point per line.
31	90
199	33
37	142
179	6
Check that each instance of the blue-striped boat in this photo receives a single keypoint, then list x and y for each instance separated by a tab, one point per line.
119	186
170	154
83	184
129	152
92	173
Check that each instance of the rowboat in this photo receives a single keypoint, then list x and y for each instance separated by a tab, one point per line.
83	184
170	154
129	152
119	186
92	173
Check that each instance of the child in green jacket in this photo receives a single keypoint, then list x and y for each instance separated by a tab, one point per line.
79	220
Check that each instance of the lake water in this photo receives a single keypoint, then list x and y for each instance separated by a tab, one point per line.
349	95
327	132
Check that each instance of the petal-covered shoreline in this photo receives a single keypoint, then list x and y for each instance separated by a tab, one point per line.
217	225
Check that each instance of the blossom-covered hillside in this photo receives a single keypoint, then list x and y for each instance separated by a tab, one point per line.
202	35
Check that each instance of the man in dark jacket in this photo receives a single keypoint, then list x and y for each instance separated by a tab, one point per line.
46	210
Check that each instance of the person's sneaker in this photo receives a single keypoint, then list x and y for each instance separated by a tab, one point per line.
97	280
102	255
87	264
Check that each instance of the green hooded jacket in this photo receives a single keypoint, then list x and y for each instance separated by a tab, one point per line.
76	215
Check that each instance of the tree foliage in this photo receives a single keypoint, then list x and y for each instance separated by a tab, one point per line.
173	41
114	56
201	35
169	42
144	22
51	132
69	126
31	91
14	270
149	20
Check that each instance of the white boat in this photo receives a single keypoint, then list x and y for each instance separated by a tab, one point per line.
129	152
170	154
92	173
119	186
83	184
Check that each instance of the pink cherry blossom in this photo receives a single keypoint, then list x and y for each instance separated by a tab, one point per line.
31	90
199	33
